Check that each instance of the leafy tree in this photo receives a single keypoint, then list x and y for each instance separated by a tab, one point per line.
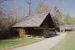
69	20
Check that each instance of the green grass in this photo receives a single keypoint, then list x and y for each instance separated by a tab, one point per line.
67	44
11	43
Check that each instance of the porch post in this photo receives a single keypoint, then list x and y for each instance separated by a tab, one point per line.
22	33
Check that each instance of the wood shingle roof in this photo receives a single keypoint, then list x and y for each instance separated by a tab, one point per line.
32	21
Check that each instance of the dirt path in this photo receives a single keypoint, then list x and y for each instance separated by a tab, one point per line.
43	45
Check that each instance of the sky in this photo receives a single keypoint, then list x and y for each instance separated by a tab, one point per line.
65	6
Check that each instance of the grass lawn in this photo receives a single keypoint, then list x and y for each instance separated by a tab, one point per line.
67	44
11	43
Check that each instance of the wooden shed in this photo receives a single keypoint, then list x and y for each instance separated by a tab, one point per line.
40	24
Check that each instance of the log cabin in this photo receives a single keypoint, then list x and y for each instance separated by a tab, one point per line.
40	24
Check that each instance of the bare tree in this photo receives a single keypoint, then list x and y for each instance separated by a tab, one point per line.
42	7
29	4
1	1
1	15
13	14
57	14
5	22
